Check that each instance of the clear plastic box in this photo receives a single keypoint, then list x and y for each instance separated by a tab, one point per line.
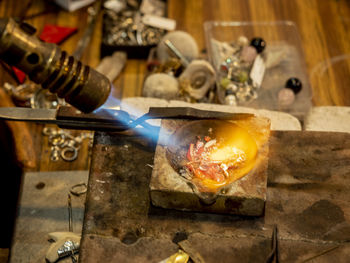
277	35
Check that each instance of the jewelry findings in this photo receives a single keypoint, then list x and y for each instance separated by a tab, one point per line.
241	69
125	28
64	145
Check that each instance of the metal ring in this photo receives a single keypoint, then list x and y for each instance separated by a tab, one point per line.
75	189
65	156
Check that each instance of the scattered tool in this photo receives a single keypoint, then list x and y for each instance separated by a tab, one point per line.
176	52
70	214
93	12
273	256
66	243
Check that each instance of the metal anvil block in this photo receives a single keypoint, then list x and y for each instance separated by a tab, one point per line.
245	196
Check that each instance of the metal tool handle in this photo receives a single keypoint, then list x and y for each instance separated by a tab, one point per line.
192	113
103	120
46	64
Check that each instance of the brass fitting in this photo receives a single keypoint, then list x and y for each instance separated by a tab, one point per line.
45	64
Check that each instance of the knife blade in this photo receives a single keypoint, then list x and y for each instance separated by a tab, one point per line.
70	118
27	114
109	120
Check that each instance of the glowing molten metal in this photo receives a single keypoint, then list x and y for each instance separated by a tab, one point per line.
224	155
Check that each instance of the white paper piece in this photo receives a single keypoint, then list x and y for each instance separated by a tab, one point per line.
72	5
258	70
159	22
114	5
153	7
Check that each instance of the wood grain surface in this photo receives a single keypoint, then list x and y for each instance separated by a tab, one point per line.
323	26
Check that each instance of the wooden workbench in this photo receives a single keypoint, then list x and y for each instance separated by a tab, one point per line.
323	26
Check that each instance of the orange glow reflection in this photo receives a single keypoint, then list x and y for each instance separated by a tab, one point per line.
235	154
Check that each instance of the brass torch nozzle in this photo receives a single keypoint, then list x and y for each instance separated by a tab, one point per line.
45	64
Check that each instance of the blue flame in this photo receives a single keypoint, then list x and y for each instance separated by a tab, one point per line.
145	129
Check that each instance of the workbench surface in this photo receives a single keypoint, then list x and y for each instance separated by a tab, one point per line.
307	198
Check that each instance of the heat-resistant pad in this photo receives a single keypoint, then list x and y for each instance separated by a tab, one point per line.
245	196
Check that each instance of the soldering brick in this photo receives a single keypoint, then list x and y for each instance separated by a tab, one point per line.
246	196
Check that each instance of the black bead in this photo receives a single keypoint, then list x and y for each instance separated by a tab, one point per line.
258	43
294	84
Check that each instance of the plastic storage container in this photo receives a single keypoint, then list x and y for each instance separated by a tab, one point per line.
279	36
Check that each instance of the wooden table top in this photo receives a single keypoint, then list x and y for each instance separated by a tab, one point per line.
323	27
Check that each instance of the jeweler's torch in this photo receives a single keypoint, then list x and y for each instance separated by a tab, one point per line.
46	64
